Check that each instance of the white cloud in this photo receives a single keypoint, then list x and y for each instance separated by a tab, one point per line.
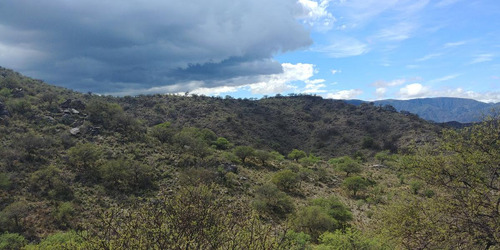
444	3
398	32
444	78
278	83
413	90
344	47
380	92
392	83
428	57
314	86
216	91
316	14
335	71
344	94
454	44
482	58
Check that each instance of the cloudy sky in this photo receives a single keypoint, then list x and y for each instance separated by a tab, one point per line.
342	49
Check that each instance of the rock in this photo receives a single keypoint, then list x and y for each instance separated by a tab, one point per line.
228	167
77	104
74	111
65	104
93	130
72	104
50	119
74	131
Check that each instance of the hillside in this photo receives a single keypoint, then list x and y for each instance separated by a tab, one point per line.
82	171
441	109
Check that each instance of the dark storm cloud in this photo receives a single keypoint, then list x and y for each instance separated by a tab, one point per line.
105	46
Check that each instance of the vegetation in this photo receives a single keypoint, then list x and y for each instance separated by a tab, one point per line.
82	171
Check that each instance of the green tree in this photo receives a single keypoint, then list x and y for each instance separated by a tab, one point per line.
355	184
286	180
163	132
49	181
244	152
346	164
272	202
13	217
222	143
84	159
321	215
296	155
465	166
263	156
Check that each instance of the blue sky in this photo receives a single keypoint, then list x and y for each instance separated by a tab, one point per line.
342	49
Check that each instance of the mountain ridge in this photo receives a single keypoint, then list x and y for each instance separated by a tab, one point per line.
440	109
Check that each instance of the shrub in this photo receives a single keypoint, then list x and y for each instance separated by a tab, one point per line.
48	181
286	180
84	157
272	202
296	155
11	241
244	152
355	184
321	215
346	164
350	239
222	143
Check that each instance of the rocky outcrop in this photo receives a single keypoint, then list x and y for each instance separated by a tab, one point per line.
70	104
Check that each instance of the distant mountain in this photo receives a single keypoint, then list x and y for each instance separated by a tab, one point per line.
441	109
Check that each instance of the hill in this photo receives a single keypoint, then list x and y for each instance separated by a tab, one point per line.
83	171
441	109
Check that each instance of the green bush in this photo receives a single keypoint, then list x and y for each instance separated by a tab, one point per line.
286	180
355	184
296	155
350	239
163	132
4	181
346	164
125	175
11	241
48	181
222	143
84	159
244	152
272	202
321	215
62	240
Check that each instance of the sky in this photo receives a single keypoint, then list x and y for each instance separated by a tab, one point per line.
340	49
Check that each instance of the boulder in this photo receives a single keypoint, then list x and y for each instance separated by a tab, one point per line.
74	131
73	104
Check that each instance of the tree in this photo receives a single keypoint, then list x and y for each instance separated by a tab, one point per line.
84	159
163	132
272	202
465	166
296	155
263	156
243	152
355	184
222	143
346	164
286	180
321	215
